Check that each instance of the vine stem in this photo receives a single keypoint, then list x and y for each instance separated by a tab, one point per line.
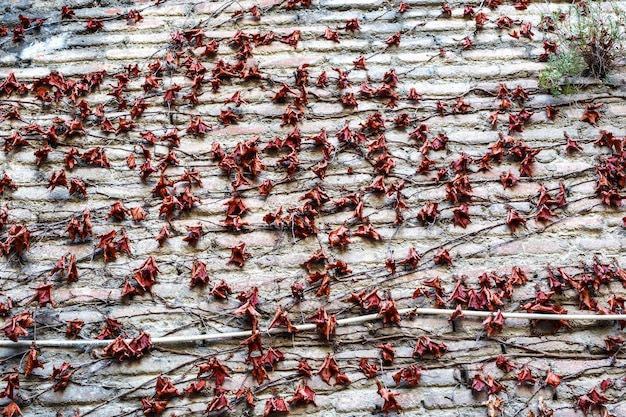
207	337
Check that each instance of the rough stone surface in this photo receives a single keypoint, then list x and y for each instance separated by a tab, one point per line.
430	58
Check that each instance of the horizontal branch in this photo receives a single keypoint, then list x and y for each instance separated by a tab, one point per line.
210	337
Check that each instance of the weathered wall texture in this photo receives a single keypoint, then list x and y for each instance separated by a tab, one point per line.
363	175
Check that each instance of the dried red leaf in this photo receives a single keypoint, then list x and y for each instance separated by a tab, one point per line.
165	389
218	402
369	370
387	352
426	345
391	403
442	257
195	387
43	295
239	255
151	406
504	364
331	369
339	237
461	216
410	376
325	325
274	406
281	318
513	220
215	369
553	379
272	357
591	114
61	376
11	410
73	328
32	362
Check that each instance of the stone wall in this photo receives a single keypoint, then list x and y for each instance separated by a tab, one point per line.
378	167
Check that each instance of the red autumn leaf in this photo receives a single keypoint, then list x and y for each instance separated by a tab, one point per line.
387	352
7	181
73	328
412	259
553	379
303	395
591	401
67	12
591	114
331	369
61	376
271	358
194	233
253	343
218	403
221	290
146	274
215	369
513	219
572	145
391	403
461	216
426	345
332	35
442	257
524	376
504	364
428	213
352	25
410	375
493	324
394	39
604	384
359	63
151	406
94	25
275	406
281	318
339	237
110	329
248	396
508	179
165	389
368	231
239	255
43	295
32	362
291	39
304	368
518	276
195	387
118	211
57	179
247	309
369	370
403	7
170	93
163	235
457	313
11	410
325	325
199	275
479	384
5	308
389	311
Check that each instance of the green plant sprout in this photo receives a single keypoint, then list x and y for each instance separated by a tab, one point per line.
591	40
